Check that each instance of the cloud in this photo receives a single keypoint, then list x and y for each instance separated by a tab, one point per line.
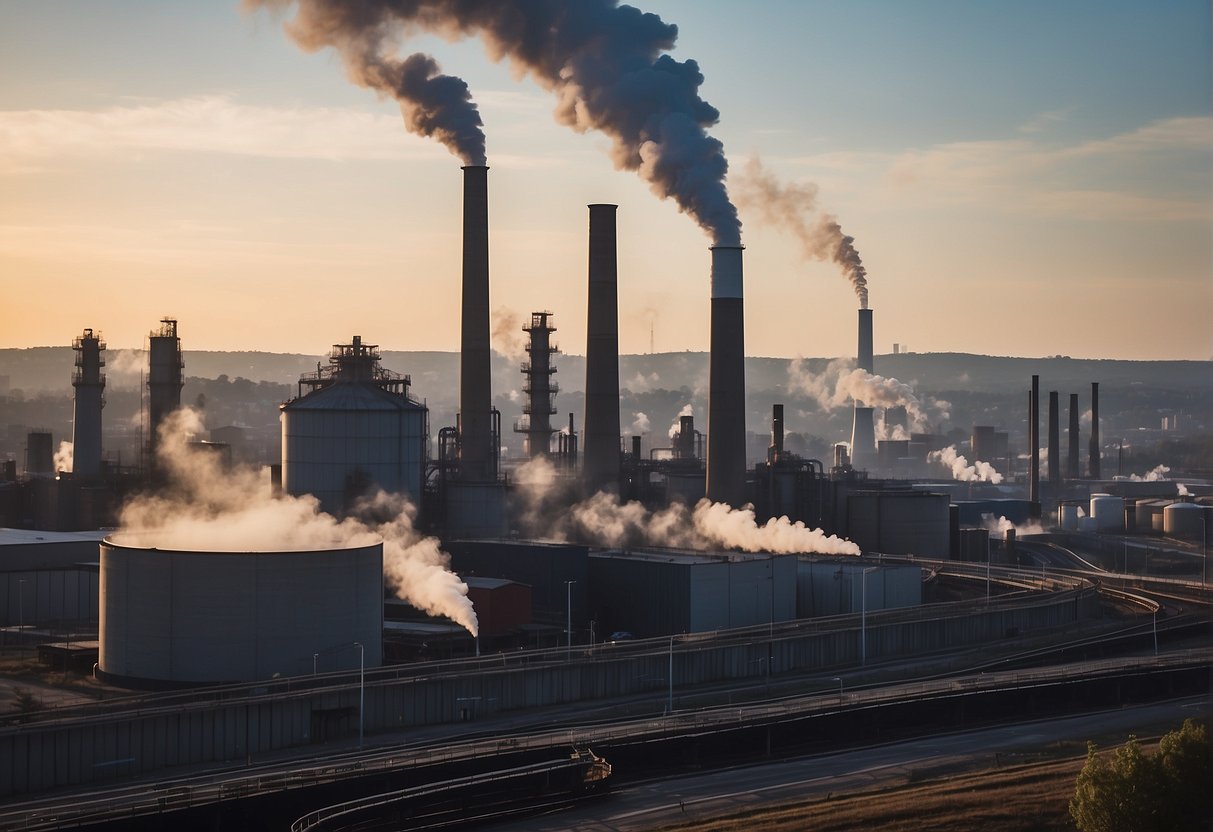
31	140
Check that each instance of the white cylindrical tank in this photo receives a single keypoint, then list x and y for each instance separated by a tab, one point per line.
1108	513
1067	517
1183	520
189	617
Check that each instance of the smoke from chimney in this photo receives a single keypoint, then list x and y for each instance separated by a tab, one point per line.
606	63
790	208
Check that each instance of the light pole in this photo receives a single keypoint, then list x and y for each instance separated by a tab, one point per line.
863	615
838	679
568	618
20	611
361	687
315	657
1156	631
669	705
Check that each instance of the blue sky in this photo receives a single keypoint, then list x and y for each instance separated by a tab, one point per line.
1046	164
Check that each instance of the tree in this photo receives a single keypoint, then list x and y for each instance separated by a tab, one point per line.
1130	791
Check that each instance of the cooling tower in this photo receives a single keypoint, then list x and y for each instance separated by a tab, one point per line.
863	439
477	455
89	382
1093	451
1054	444
1034	441
600	443
726	380
863	358
164	379
1072	448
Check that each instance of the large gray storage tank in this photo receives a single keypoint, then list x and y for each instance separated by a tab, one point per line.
190	617
356	430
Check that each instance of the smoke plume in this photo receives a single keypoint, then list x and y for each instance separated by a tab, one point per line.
208	505
507	335
961	469
64	456
790	208
1157	474
605	63
999	527
841	383
676	426
640	424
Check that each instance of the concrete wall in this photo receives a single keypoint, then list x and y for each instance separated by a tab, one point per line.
833	588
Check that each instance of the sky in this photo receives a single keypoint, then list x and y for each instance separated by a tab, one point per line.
1029	178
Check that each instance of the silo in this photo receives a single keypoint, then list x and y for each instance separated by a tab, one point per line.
1184	520
356	430
39	454
187	617
1107	513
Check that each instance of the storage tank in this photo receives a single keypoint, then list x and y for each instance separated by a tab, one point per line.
356	430
1108	513
1067	517
1183	520
179	617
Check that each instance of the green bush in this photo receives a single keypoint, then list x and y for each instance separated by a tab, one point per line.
1130	791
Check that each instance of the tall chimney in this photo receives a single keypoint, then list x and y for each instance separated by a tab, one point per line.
863	439
1094	449
600	450
1054	445
164	380
1072	447
863	358
477	456
1034	441
540	390
89	382
726	380
776	433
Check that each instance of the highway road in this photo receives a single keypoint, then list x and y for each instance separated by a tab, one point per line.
656	803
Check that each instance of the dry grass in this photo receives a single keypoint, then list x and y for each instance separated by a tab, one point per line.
1014	799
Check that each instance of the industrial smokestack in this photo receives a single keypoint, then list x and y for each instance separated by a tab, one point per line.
476	452
863	357
776	433
1094	449
726	385
1072	449
164	379
863	439
601	438
1034	441
1054	445
89	382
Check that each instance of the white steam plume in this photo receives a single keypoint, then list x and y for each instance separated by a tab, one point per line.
606	64
1157	474
791	208
64	456
841	383
640	423
1181	490
961	469
207	505
676	426
999	526
507	336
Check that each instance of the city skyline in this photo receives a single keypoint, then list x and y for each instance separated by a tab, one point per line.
1024	181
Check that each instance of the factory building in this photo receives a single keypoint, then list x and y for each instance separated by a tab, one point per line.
654	593
843	587
175	617
354	430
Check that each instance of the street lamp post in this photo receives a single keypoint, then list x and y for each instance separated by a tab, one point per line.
315	657
863	615
361	688
20	611
568	618
669	706
838	679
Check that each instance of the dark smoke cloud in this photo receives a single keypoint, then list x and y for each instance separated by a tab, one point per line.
604	62
791	208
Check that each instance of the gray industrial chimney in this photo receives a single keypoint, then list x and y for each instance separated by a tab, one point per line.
600	442
863	439
89	382
776	449
726	380
1034	441
477	456
1072	449
863	357
1054	445
164	380
1093	458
